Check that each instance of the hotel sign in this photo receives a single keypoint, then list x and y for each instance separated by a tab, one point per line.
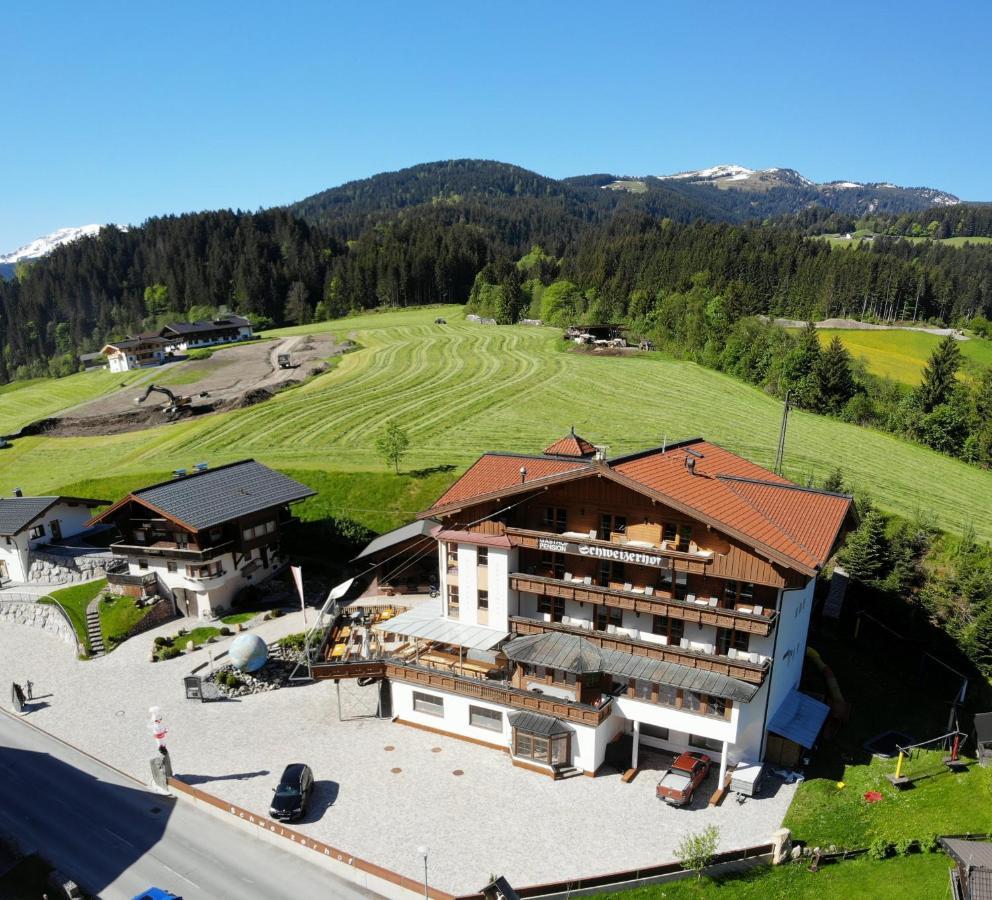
615	554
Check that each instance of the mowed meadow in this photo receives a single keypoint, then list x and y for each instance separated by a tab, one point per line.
462	388
901	355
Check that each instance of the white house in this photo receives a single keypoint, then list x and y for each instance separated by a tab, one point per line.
135	353
662	596
29	523
184	336
201	537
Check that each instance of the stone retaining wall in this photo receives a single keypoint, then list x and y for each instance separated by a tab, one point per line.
38	615
163	611
53	568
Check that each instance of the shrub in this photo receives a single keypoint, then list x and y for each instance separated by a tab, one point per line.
170	652
182	632
878	848
904	846
225	631
276	613
695	851
928	843
161	641
296	641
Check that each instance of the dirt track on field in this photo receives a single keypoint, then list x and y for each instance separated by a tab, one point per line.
232	378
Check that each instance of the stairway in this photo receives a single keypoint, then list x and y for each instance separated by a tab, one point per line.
93	628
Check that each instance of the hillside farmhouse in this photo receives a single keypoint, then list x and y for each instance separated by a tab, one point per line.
178	337
201	537
28	524
592	606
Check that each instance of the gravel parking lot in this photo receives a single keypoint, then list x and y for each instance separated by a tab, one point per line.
382	789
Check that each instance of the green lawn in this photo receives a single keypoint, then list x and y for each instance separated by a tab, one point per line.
838	240
118	616
28	401
74	601
460	389
901	355
238	618
914	877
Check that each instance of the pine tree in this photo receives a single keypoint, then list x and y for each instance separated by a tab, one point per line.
800	367
835	376
938	376
864	554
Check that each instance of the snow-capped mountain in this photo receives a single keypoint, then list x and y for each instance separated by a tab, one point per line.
44	245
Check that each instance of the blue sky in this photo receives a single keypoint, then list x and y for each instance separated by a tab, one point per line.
119	111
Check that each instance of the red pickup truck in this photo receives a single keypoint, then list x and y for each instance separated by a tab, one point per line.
684	775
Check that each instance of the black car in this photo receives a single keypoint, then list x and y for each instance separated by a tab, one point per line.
293	793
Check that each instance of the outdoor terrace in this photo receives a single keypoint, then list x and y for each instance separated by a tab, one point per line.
172	550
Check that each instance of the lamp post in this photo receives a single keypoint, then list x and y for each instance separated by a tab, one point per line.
423	854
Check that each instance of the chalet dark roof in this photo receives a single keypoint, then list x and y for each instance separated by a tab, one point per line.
973	877
188	328
130	342
16	513
535	723
970	853
204	499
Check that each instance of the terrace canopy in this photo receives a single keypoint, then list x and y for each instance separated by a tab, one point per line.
426	623
799	719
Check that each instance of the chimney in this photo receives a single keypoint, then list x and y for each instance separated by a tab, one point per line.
201	467
179	473
690	464
18	492
523	474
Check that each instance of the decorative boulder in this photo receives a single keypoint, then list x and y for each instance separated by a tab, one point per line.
248	653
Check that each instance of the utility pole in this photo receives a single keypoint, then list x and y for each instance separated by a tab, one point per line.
780	453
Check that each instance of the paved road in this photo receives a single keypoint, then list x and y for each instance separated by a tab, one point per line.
117	838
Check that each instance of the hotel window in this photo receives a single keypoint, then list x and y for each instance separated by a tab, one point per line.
452	600
685	535
170	566
483	559
142	563
452	556
668	695
671	628
738	592
608	615
555	519
642	689
691	701
37	532
697	740
182	540
729	637
654	731
553	564
483	599
608	524
670	533
610	571
675	583
490	719
270	526
428	703
716	707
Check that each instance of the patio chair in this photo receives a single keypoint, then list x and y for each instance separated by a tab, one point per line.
684	643
592	534
663	640
568	576
627	586
732	653
690	598
713	602
759	610
566	620
649	591
587	579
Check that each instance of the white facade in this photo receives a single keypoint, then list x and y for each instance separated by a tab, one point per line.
195	341
124	360
736	737
62	520
210	592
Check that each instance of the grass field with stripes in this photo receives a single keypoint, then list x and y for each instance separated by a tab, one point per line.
462	388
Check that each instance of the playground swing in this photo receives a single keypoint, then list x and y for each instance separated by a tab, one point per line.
913	751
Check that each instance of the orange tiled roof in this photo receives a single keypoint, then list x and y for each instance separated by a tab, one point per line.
571	445
737	496
499	471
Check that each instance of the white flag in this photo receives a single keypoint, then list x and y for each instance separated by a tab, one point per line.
298	578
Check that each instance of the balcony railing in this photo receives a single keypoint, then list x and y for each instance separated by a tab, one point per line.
466	686
638	601
172	550
693	561
753	673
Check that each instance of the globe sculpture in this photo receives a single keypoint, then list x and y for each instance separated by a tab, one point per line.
248	653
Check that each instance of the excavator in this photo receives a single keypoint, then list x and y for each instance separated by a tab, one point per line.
176	405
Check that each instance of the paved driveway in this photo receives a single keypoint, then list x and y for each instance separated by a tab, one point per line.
383	789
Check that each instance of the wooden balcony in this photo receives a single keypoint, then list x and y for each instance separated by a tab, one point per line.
172	550
655	604
496	693
692	562
753	673
465	686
